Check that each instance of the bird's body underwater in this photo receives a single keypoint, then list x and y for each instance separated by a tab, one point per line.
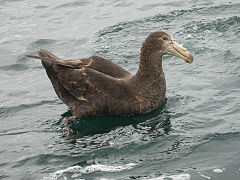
98	87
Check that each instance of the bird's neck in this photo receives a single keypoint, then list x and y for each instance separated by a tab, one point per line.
150	80
150	66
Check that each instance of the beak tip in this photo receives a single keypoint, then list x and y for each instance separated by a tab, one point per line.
190	58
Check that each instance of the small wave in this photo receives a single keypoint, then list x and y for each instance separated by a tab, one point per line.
217	25
222	136
6	111
89	169
147	7
5	133
42	42
41	7
72	4
172	177
4	177
53	45
14	67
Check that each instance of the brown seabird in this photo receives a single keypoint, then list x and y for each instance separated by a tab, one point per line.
96	86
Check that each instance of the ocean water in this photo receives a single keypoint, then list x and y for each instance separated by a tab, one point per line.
195	135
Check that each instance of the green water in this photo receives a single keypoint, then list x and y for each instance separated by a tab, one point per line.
194	135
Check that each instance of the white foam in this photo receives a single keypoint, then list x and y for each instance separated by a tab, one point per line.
89	169
217	170
173	177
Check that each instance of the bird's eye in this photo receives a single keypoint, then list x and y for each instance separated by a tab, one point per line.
165	38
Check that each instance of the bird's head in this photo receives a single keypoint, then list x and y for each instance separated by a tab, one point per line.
162	43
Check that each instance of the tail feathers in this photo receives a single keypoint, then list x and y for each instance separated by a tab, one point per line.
38	57
47	56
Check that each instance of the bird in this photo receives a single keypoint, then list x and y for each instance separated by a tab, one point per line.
96	86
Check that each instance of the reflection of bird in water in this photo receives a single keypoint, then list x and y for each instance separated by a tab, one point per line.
98	87
157	122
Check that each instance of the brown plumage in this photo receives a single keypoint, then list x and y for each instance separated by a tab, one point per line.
98	87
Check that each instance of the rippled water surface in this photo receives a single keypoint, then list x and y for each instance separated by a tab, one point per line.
194	135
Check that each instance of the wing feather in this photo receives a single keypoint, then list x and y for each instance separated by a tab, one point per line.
85	82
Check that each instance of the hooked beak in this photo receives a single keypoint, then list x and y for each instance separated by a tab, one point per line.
178	50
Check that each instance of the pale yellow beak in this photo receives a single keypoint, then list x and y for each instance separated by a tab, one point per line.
178	50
